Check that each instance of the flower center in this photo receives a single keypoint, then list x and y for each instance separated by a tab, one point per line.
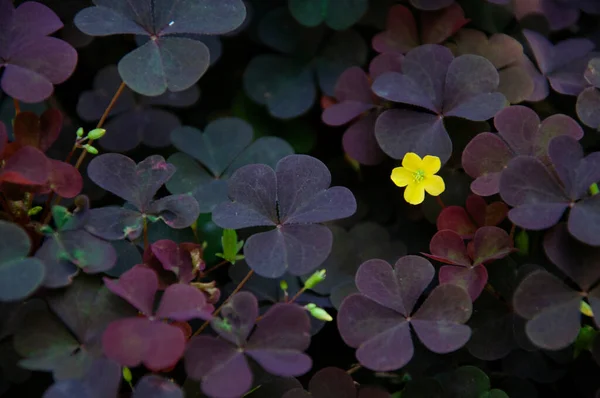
419	175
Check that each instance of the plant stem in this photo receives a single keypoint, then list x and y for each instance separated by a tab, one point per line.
215	267
17	106
353	369
145	234
440	202
218	310
297	295
512	232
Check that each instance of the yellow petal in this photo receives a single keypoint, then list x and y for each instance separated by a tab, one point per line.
401	176
434	185
412	161
414	194
431	165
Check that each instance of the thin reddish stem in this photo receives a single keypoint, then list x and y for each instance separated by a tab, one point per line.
17	106
440	202
512	232
353	369
218	310
214	267
145	234
297	295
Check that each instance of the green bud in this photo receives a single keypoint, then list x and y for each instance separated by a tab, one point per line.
318	313
522	242
61	216
283	285
96	134
90	149
594	189
127	374
46	230
34	210
315	279
79	132
584	340
586	309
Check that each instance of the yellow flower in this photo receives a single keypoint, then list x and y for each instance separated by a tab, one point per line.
418	176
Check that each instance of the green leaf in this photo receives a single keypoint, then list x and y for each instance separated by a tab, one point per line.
584	340
337	14
495	393
61	216
522	242
231	246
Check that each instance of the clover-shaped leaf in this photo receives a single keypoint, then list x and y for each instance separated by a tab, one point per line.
562	64
71	248
33	62
520	132
134	119
39	132
339	15
67	345
477	213
333	382
210	157
552	307
137	184
174	262
506	54
588	102
559	14
149	340
163	62
101	380
293	198
401	34
285	84
466	269
378	321
539	199
19	275
464	87
277	344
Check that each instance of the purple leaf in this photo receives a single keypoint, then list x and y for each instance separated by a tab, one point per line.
491	243
153	386
484	158
115	223
383	63
583	221
182	302
19	275
101	380
559	15
456	219
170	52
137	184
91	104
296	248
471	279
33	62
353	92
398	87
439	321
174	258
400	131
579	262
552	309
588	105
397	288
177	211
332	382
135	341
564	63
537	197
360	144
448	247
240	313
138	286
216	363
429	5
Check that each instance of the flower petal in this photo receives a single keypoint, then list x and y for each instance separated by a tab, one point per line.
434	185
402	177
414	193
431	165
412	161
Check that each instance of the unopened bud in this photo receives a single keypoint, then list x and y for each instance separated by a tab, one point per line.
318	313
127	374
315	279
283	285
79	132
90	149
96	134
34	210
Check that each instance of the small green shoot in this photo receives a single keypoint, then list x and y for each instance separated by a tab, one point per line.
231	246
318	313
584	340
522	242
314	279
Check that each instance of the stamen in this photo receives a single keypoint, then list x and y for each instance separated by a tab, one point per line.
419	175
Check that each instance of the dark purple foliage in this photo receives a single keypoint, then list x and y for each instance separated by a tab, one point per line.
588	102
150	340
67	340
338	15
101	380
401	34
520	132
134	120
540	199
162	62
209	158
334	383
70	248
560	14
285	84
552	307
562	64
277	344
506	54
137	184
294	198
463	87
174	262
33	62
430	5
19	275
378	321
466	267
466	220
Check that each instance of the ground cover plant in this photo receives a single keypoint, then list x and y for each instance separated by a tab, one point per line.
299	198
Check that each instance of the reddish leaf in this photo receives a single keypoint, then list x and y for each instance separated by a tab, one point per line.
455	218
38	132
491	243
448	247
64	179
472	280
28	166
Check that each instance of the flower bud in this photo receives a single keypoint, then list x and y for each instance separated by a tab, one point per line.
96	134
315	279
